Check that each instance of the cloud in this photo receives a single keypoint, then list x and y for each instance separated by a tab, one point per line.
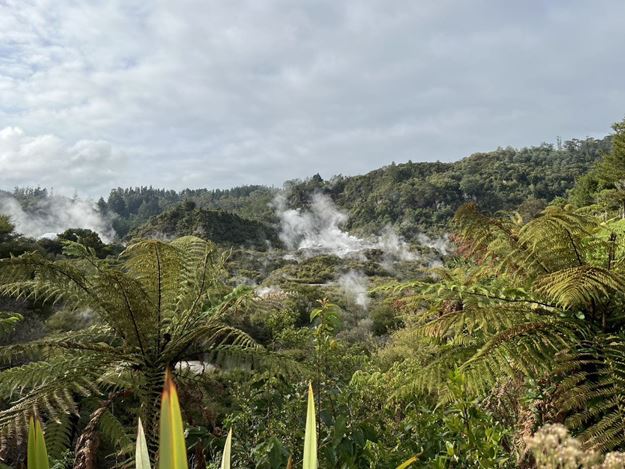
208	93
46	160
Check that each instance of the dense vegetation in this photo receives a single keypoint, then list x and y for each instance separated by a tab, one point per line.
217	225
413	197
133	207
418	197
510	353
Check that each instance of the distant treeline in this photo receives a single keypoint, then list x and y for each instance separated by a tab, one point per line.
412	197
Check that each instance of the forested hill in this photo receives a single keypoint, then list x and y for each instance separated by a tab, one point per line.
424	196
413	197
132	207
217	225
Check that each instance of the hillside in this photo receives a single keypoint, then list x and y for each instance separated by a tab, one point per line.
131	207
417	197
215	225
413	197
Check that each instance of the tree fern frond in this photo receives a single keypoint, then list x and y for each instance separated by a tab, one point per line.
92	339
60	369
595	400
115	433
580	286
210	336
529	348
8	321
558	237
59	435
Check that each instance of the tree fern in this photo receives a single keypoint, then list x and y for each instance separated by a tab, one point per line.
156	305
544	301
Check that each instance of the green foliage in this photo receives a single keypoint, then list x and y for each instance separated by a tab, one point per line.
8	322
412	196
544	302
603	188
12	243
132	207
417	197
217	226
454	368
7	229
310	437
158	304
37	457
59	436
611	169
87	238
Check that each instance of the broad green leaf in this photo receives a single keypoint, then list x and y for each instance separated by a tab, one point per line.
37	456
225	458
142	456
172	450
310	437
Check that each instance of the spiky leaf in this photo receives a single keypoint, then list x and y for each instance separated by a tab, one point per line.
172	450
226	457
37	457
142	457
310	436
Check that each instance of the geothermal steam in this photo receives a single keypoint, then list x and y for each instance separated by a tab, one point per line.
355	286
319	230
53	215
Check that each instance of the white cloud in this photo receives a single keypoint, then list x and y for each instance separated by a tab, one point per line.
216	93
47	160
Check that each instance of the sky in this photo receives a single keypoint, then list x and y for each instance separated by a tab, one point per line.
206	93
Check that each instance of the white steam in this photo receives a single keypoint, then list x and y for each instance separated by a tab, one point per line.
393	246
441	245
355	286
319	230
271	292
53	215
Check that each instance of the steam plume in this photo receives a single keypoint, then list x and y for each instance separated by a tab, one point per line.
55	214
319	230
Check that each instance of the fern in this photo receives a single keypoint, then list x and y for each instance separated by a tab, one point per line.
592	390
156	305
543	301
58	436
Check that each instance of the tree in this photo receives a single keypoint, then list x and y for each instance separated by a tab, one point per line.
611	168
87	238
102	206
117	203
605	184
159	304
7	229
